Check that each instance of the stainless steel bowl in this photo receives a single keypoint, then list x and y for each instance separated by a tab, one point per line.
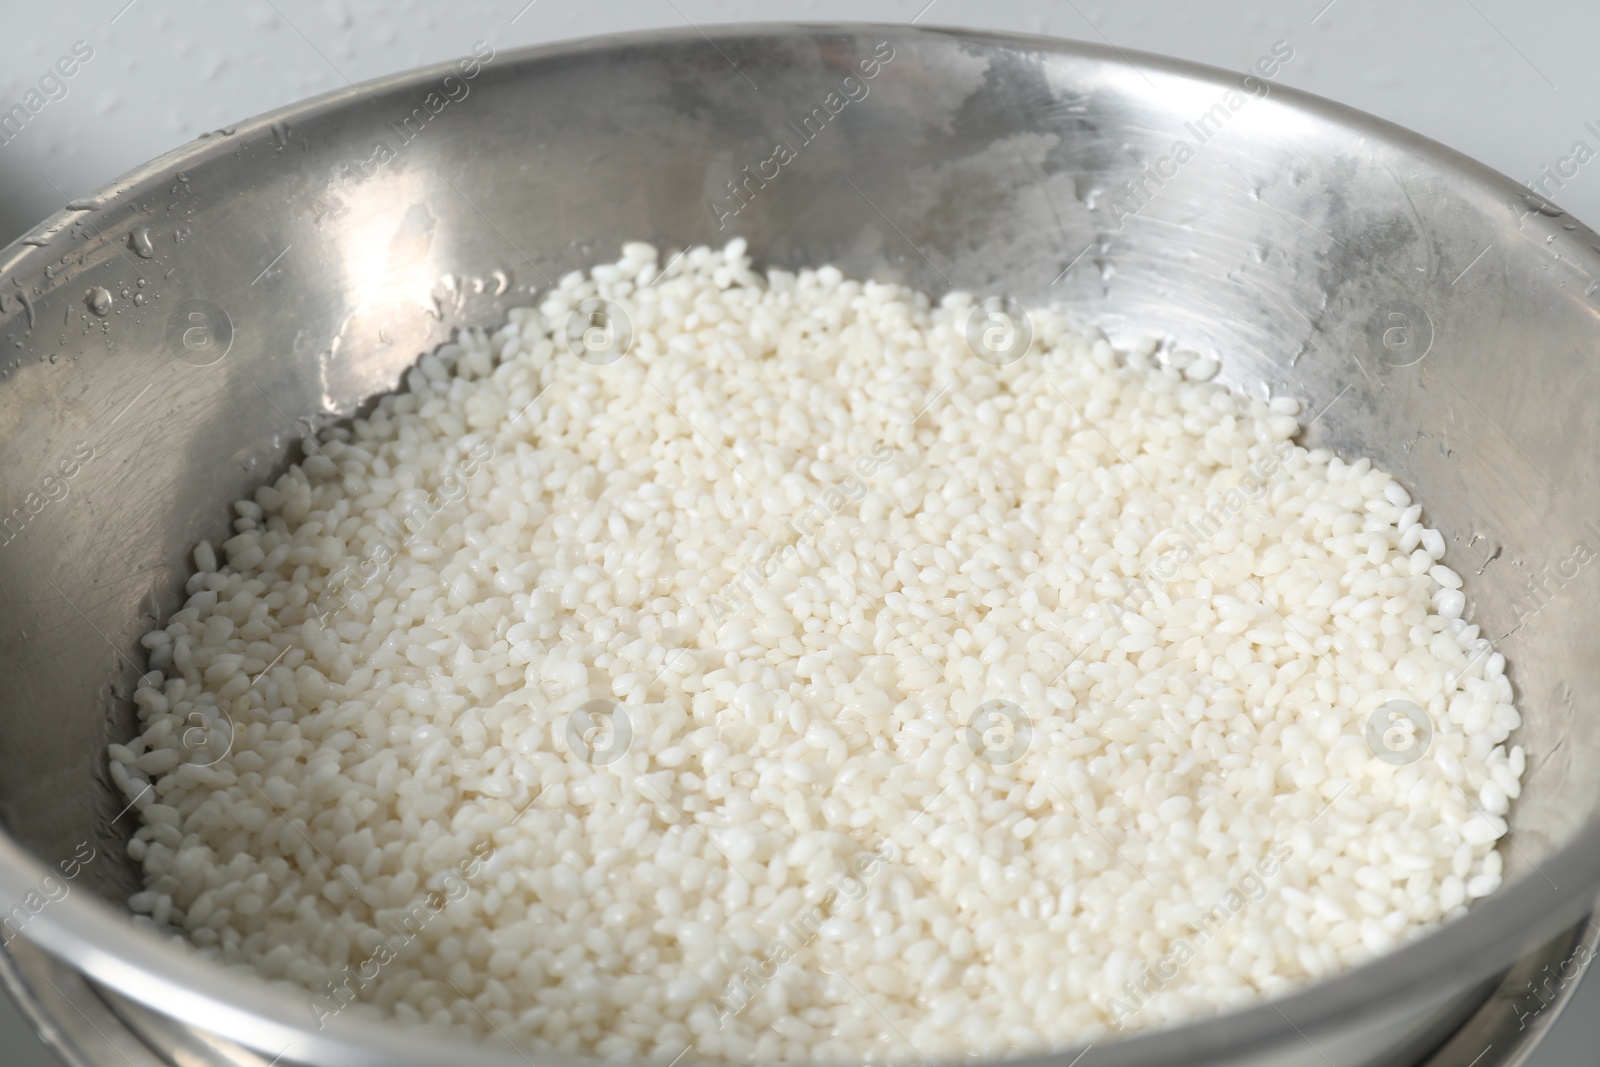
168	340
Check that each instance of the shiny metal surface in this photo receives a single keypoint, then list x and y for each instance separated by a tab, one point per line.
90	1026
295	268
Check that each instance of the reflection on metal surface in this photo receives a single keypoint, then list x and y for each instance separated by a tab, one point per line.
1502	1031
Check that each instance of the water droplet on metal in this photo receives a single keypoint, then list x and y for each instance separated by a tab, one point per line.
280	133
138	300
141	283
98	300
139	241
182	176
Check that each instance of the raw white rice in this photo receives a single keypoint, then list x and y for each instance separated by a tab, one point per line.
995	758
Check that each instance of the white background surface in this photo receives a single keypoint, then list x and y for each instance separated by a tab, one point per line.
1510	82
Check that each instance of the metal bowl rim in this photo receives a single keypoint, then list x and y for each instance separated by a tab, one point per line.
97	938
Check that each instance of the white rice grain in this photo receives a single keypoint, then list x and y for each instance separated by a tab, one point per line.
559	693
